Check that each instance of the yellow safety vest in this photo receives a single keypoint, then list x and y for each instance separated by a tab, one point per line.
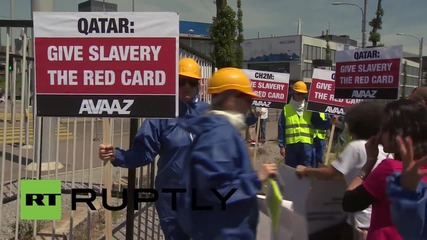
320	134
298	129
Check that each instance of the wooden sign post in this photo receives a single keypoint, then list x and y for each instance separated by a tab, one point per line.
106	136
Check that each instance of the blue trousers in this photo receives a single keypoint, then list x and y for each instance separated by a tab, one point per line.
299	154
263	123
318	151
168	219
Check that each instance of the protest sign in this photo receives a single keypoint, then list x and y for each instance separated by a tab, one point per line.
274	200
316	205
271	87
321	96
106	64
324	205
265	229
372	73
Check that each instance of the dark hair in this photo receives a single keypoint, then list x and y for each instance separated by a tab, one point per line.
363	119
420	95
404	118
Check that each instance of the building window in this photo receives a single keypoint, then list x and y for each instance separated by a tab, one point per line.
324	53
411	81
333	55
305	51
318	53
307	70
281	67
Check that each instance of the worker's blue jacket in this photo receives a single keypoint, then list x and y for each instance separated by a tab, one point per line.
219	160
408	208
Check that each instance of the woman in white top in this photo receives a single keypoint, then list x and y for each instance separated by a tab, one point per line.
363	121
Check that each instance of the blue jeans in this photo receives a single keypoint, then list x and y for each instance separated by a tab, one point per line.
299	154
262	124
318	151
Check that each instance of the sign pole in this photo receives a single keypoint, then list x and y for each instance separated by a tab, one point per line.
106	136
256	141
130	210
328	150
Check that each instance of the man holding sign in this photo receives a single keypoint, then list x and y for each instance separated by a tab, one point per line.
296	126
163	137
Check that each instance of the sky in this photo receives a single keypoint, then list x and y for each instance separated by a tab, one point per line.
278	17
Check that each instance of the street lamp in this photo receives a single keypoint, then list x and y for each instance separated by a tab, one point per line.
363	10
420	41
190	32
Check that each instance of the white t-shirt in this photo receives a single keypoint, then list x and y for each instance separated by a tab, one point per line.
349	163
264	112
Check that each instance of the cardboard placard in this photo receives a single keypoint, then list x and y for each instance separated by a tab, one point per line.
308	207
370	73
321	96
106	64
271	87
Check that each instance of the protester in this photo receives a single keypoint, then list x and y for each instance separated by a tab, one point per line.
262	113
319	144
163	137
295	129
404	118
419	94
407	192
219	161
340	135
363	122
252	118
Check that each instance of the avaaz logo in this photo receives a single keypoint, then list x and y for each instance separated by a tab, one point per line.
101	106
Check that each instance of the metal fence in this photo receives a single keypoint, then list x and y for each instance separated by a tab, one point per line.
65	149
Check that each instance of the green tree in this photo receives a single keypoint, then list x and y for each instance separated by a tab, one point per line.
376	24
405	78
240	38
223	34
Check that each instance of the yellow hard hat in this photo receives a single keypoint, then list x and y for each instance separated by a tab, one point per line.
300	87
230	78
189	68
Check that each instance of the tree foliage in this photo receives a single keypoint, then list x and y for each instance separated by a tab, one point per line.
376	24
223	34
240	38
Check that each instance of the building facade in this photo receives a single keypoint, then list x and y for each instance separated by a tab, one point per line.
97	6
196	36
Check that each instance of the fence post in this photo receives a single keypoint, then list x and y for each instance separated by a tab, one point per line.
48	133
130	210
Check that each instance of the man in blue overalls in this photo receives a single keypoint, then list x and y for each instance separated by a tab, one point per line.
295	129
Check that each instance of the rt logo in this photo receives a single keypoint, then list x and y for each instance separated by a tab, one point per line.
40	199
